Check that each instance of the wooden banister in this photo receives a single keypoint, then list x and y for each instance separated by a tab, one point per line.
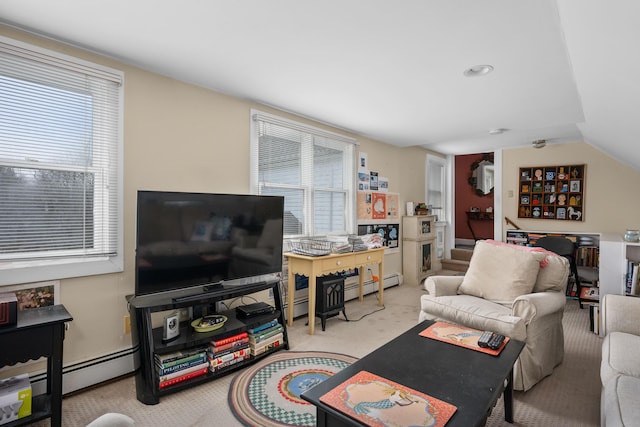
511	223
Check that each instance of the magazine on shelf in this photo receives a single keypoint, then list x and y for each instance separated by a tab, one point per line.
376	401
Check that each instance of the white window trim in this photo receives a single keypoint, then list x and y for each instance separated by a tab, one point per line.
444	163
41	270
350	224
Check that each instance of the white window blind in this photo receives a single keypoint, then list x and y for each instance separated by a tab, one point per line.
60	166
313	170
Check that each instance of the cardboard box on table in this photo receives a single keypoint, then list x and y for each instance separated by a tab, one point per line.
15	398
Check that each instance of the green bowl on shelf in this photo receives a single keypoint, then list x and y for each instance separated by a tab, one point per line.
209	323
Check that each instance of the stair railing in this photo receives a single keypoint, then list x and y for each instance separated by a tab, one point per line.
512	223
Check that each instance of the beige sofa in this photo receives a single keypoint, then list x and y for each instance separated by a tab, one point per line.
620	366
516	291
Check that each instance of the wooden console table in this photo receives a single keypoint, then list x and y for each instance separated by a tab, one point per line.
478	216
39	333
316	266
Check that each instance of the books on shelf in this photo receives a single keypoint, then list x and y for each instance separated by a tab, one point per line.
183	377
265	337
632	287
266	333
181	364
269	343
182	372
230	357
178	357
230	346
264	326
587	256
227	340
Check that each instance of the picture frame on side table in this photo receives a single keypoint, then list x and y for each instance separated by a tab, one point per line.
34	295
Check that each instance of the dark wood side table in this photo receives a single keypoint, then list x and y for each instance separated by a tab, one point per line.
38	333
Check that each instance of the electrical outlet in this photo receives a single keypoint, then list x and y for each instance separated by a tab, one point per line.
127	324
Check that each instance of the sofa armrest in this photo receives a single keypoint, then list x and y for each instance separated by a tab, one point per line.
537	304
439	286
620	314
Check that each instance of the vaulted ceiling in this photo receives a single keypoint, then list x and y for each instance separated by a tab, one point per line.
563	70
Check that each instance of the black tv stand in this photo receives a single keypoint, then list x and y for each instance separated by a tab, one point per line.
209	291
149	339
212	286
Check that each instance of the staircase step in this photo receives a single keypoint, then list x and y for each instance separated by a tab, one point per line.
461	254
455	265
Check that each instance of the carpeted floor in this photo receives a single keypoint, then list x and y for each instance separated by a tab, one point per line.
569	397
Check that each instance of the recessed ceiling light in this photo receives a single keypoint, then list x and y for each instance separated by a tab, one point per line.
497	131
478	70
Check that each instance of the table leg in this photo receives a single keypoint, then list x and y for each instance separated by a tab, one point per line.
54	375
471	229
312	302
508	399
380	284
361	283
291	290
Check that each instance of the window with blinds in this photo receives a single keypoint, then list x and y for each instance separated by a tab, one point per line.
436	186
60	167
313	170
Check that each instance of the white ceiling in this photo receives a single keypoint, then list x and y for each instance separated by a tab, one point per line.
565	70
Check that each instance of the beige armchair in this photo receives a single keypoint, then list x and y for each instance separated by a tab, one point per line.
516	291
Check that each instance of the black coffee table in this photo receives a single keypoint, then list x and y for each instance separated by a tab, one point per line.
470	380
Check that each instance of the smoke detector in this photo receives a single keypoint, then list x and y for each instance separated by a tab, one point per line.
539	143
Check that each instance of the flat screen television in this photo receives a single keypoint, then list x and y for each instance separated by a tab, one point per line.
189	240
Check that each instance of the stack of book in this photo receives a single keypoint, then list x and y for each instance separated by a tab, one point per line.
228	351
179	366
632	286
265	337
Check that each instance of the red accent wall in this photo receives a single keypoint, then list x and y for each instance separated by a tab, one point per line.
466	197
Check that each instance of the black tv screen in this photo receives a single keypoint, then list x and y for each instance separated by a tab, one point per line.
198	239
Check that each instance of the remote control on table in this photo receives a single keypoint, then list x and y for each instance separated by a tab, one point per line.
484	339
496	341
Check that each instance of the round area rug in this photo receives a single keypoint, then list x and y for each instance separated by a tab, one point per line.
267	393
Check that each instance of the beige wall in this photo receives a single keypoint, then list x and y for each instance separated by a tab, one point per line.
185	138
611	202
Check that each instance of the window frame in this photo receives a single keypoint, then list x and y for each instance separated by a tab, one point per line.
442	163
306	186
36	267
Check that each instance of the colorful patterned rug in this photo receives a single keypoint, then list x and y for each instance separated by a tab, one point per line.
267	393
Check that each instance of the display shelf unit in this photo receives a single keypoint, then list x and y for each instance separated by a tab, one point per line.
419	248
615	254
149	339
